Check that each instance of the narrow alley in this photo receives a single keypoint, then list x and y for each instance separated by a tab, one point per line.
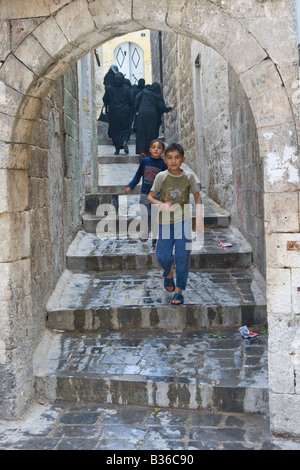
93	355
121	369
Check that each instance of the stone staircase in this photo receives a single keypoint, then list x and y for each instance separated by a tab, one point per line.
113	337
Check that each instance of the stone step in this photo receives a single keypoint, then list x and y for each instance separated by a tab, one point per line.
215	370
90	222
105	141
124	206
102	138
137	299
88	252
106	155
113	178
123	158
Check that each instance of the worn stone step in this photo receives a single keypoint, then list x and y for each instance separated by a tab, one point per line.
113	178
106	155
124	206
102	138
132	300
122	203
215	370
89	252
90	222
131	158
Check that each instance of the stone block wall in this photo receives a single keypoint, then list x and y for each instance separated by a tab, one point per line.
213	90
56	201
50	187
247	176
41	195
234	170
177	89
170	88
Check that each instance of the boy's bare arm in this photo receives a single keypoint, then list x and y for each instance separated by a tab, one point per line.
165	206
151	198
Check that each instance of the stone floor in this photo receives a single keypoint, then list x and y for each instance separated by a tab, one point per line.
216	369
66	426
206	287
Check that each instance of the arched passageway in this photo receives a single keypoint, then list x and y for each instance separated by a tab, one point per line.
252	38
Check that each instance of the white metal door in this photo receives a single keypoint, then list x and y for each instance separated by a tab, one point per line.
129	58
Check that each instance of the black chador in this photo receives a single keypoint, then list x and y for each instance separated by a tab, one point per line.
150	106
118	100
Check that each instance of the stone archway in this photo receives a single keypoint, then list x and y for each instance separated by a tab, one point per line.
67	30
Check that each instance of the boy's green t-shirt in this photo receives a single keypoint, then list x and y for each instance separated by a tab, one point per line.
175	188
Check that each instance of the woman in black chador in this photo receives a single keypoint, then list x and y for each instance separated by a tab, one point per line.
135	90
110	75
118	100
149	106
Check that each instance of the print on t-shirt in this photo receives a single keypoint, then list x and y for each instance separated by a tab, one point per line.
174	195
150	173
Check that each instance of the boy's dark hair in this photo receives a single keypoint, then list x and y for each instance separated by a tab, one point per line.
173	147
160	141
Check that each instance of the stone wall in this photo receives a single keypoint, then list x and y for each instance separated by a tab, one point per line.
177	89
56	203
170	88
45	202
55	207
247	177
213	91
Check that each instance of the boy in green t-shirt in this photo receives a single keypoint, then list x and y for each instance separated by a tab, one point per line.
175	186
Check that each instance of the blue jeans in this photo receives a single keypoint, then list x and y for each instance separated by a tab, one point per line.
152	217
178	235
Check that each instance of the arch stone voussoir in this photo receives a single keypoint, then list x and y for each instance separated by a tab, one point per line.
52	39
255	53
142	11
119	12
76	22
271	108
191	17
16	75
33	55
111	12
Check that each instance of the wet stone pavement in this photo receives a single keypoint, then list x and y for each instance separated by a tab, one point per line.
219	358
66	426
166	369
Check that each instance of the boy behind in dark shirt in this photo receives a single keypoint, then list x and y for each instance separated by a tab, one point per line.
148	169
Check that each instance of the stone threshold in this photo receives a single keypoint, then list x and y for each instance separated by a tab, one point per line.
195	370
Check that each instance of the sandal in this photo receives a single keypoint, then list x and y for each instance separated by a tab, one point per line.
178	297
169	282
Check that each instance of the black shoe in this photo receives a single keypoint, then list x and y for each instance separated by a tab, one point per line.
117	152
126	149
